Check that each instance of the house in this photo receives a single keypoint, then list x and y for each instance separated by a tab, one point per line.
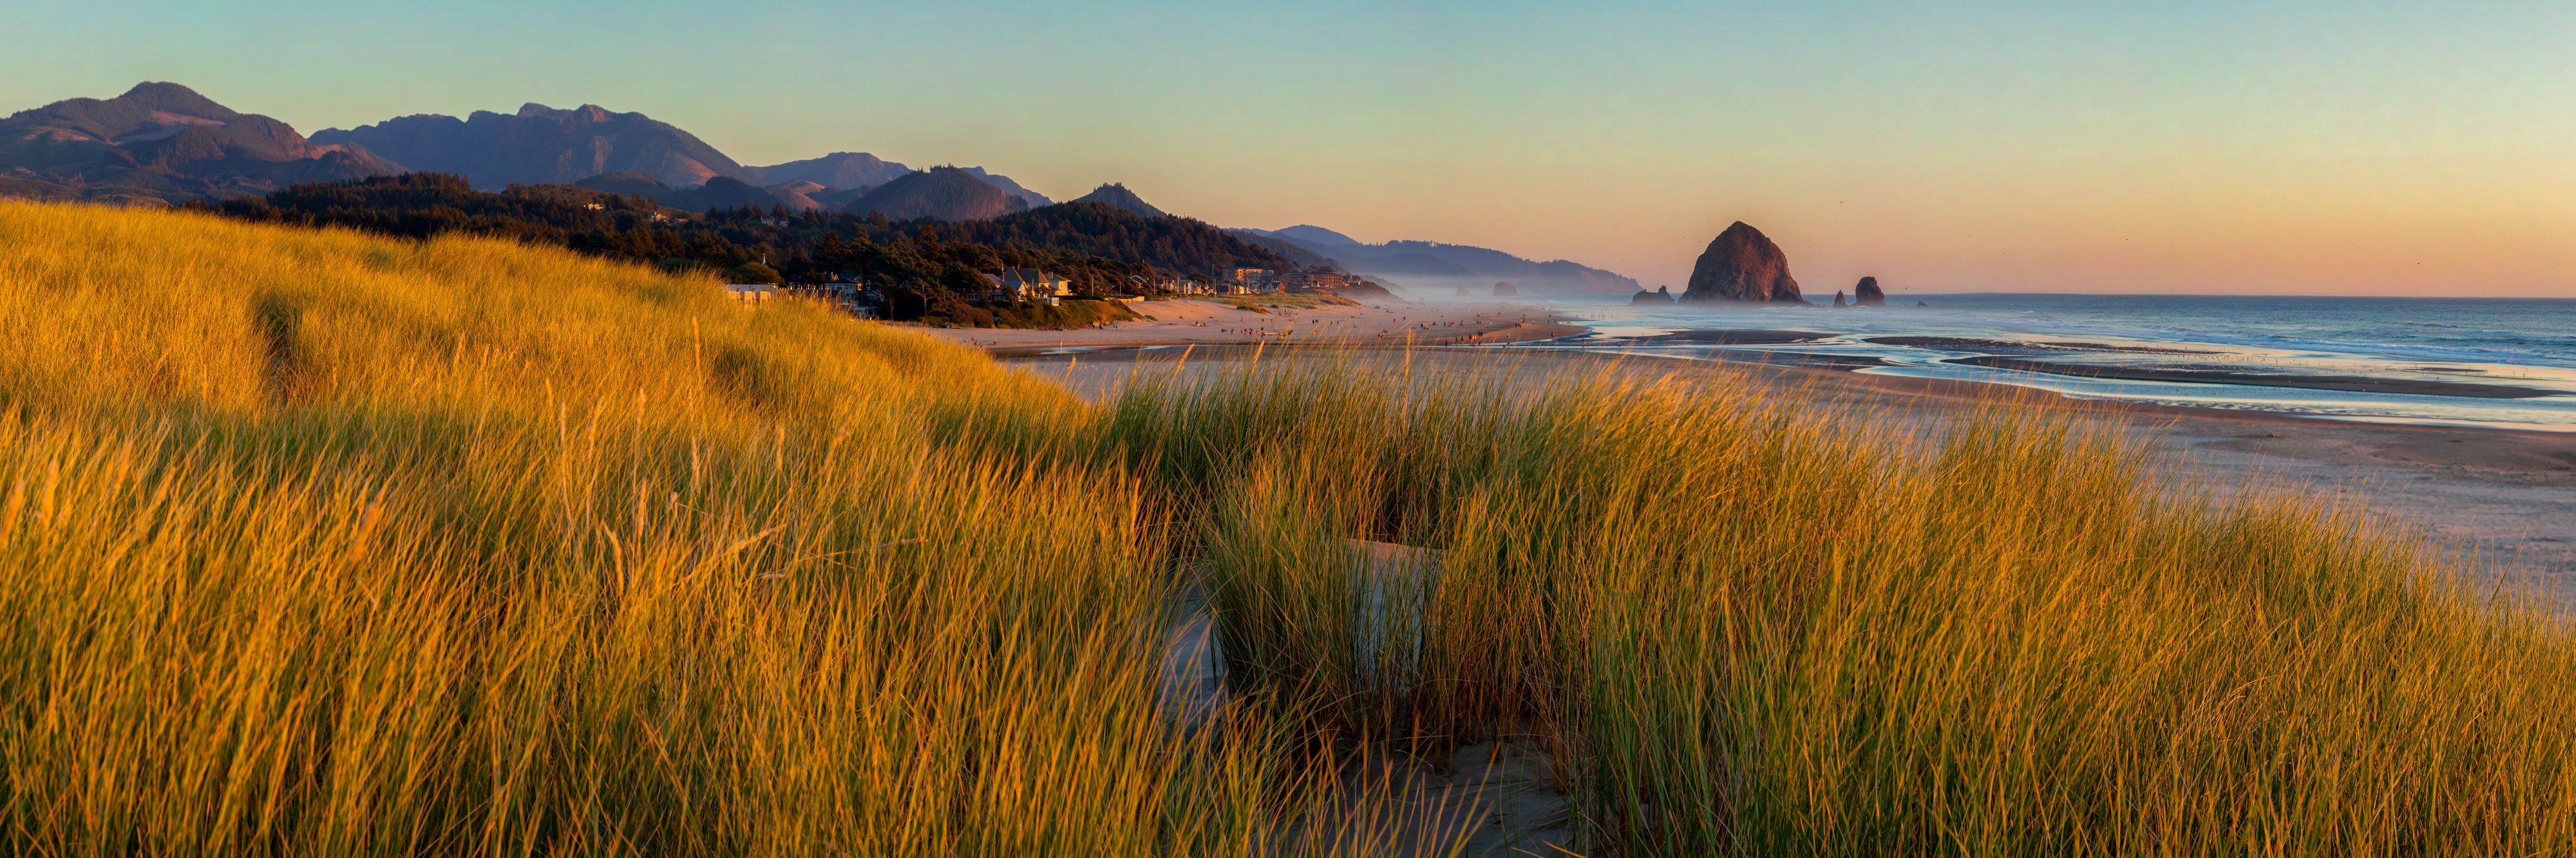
1141	285
750	294
1031	284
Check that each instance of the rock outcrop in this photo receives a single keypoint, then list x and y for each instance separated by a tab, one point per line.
1506	290
1867	294
1742	264
1838	299
1661	295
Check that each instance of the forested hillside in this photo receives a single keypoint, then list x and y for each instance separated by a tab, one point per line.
928	266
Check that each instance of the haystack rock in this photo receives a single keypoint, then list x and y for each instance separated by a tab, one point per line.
1464	292
1506	290
1867	294
1661	295
1742	265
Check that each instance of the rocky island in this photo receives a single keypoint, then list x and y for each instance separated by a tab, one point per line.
1742	264
1867	294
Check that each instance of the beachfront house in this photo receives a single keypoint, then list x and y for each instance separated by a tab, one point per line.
1245	281
750	294
1141	285
1032	284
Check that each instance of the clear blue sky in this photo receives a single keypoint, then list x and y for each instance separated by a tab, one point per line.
2411	148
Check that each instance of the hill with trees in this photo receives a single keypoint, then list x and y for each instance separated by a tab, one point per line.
1118	195
720	193
1171	244
942	193
630	184
929	266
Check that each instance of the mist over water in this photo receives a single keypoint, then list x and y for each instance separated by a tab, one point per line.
2367	359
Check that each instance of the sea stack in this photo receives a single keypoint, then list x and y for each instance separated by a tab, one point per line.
1506	290
1867	294
1661	295
1838	299
1463	291
1742	265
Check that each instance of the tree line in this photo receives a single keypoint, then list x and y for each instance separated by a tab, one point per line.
926	267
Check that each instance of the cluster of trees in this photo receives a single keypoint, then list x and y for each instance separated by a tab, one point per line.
926	267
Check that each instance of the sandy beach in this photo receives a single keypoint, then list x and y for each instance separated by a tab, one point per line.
1201	322
2510	495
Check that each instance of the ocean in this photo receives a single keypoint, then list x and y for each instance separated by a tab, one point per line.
2504	363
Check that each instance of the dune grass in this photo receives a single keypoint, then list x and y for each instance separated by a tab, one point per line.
1263	302
1752	634
320	543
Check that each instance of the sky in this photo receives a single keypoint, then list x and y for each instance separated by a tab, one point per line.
2356	147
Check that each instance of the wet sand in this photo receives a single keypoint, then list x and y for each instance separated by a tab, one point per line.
2353	383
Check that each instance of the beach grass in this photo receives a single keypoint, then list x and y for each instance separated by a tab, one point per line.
313	542
1267	301
1753	632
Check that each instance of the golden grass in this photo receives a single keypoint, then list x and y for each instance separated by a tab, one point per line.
1265	302
320	543
1752	634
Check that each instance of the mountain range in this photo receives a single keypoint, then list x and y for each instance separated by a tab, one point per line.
540	145
544	145
164	143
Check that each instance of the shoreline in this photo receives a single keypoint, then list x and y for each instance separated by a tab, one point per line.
1465	324
2345	383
